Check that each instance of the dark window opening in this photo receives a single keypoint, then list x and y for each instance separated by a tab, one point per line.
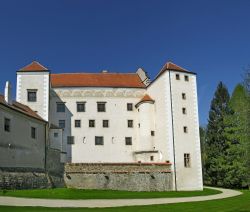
129	107
128	140
187	162
91	123
80	106
33	132
105	123
177	76
60	107
101	107
61	124
186	78
32	96
77	123
130	124
7	125
152	133
99	140
70	140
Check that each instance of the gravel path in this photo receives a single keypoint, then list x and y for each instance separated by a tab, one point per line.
101	203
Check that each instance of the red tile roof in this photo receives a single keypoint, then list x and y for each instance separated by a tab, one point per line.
117	80
172	66
20	108
146	98
34	66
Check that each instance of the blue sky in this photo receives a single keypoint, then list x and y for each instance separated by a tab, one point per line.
211	38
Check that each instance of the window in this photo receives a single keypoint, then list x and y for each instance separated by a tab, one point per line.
60	107
33	132
184	110
55	135
151	158
152	133
177	76
101	106
31	95
70	140
129	107
91	123
7	125
183	96
77	123
187	162
186	78
61	124
99	140
185	129
80	106
130	123
128	140
105	123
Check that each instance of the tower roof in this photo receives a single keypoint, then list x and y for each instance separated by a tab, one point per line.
34	66
145	98
172	66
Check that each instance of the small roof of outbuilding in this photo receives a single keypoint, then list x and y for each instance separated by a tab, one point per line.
24	109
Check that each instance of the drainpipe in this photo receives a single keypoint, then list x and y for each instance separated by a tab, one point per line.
175	181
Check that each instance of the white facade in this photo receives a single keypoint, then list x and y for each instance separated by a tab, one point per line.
158	124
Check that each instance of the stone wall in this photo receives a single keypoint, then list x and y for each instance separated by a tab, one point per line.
119	176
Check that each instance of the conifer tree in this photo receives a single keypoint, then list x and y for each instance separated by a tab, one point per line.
216	141
237	140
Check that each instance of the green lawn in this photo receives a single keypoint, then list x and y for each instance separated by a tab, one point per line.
65	193
234	204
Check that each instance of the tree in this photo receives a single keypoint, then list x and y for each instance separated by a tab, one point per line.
216	142
236	138
246	83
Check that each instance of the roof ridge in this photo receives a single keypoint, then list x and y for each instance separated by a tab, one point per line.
94	73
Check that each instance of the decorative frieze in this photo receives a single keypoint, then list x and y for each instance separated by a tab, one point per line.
132	93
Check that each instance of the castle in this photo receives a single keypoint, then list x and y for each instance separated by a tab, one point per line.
118	117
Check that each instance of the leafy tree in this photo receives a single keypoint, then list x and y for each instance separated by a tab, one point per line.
216	142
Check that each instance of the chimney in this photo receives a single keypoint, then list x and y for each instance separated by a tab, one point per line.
7	93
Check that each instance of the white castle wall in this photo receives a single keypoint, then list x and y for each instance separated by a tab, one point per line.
114	148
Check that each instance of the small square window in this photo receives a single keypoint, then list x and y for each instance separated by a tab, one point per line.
61	124
101	106
151	158
77	123
80	106
152	133
60	107
130	124
185	129
91	123
187	160
32	95
184	110
33	132
99	140
7	125
177	76
55	135
186	78
105	123
128	140
70	140
183	96
129	107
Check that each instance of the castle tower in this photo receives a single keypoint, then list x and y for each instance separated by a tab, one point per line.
33	84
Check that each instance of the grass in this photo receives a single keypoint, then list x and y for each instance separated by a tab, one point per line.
65	193
234	204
